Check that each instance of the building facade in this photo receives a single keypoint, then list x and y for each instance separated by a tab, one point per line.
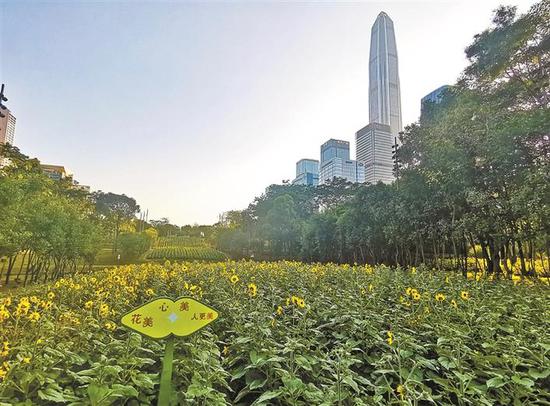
336	163
334	149
384	88
55	172
7	128
7	132
307	172
350	170
374	150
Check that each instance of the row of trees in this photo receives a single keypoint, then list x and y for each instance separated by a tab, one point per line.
473	177
46	227
49	228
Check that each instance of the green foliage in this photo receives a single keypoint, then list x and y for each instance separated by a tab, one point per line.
50	224
133	245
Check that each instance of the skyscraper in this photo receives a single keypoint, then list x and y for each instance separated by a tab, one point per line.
307	172
374	142
384	90
335	163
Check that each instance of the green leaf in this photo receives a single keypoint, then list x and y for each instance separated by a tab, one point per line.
144	380
267	396
303	362
446	363
256	358
238	373
257	383
97	394
348	380
197	390
528	383
54	395
495	382
533	373
293	384
124	390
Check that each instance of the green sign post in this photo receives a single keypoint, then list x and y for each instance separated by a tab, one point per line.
164	318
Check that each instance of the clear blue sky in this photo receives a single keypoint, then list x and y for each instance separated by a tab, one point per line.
194	108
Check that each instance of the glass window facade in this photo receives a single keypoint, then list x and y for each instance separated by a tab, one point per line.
334	149
307	166
307	172
350	170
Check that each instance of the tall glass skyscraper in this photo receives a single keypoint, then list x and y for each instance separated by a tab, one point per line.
384	90
374	142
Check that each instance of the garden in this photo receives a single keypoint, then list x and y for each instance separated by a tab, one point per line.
287	333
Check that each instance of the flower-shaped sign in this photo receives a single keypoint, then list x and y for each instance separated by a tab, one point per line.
163	316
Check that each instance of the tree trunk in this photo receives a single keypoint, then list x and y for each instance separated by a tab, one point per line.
11	263
521	257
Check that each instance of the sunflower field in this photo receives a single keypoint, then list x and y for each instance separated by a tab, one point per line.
288	334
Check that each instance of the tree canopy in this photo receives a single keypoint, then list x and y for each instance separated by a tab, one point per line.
474	178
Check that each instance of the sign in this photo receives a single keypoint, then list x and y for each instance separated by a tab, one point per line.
162	317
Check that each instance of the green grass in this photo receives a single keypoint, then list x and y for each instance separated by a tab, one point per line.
185	254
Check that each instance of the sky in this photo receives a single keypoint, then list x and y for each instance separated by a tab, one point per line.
194	108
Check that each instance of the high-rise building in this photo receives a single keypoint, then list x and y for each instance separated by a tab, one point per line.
384	89
350	170
307	172
374	144
335	163
334	149
434	97
7	128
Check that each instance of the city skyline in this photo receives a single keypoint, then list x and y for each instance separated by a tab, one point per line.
169	102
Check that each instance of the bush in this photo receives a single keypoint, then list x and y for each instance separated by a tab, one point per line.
133	245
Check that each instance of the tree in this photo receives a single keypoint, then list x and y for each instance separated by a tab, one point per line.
115	209
133	245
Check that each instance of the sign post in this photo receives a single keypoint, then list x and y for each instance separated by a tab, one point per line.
164	318
166	374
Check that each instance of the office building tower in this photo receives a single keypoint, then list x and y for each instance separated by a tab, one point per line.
374	142
335	163
374	150
384	89
307	172
334	149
